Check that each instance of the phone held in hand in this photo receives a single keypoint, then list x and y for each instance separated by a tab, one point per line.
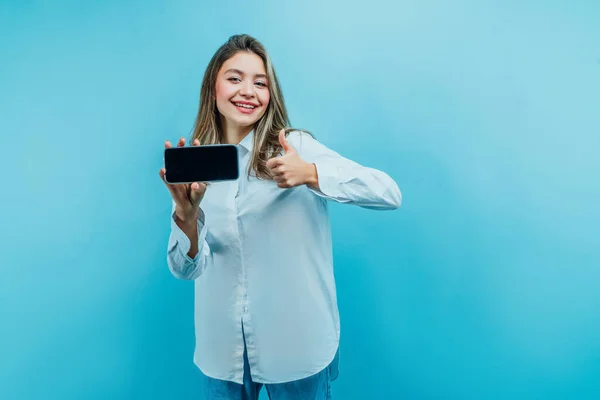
207	163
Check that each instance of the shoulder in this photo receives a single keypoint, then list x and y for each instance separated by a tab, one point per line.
300	138
298	133
307	145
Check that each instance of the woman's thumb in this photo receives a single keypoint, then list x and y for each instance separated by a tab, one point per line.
197	190
287	147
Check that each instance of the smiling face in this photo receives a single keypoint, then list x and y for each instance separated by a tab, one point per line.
240	93
242	90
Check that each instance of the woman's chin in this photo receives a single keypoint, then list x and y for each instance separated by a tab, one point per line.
241	120
245	121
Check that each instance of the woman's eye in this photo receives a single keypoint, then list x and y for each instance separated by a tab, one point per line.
234	79
261	84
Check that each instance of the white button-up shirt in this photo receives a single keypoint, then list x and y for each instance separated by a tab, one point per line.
265	263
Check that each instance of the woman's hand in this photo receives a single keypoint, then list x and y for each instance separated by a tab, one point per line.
290	170
187	197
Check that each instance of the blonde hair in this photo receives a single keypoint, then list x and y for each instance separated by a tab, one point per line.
207	127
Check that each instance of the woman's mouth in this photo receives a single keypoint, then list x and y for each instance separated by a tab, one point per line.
245	108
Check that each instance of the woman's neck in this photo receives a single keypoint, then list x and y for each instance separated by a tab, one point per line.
234	134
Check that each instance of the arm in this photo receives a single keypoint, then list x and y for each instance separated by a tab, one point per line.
337	178
187	252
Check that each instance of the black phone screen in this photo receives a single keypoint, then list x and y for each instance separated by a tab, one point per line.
201	163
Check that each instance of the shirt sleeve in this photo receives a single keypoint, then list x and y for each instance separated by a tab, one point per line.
346	181
180	264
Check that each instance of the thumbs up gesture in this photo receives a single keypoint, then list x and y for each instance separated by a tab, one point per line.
290	170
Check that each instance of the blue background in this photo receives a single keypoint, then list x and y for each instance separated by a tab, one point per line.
484	285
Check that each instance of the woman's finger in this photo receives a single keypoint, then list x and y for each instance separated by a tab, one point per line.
162	174
197	192
178	192
274	162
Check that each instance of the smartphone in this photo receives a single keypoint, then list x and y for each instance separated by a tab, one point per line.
207	163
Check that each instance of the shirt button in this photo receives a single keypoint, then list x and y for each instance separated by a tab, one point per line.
245	309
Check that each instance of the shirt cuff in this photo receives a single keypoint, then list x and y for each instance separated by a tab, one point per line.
329	181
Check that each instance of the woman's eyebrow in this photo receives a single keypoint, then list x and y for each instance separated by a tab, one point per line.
237	71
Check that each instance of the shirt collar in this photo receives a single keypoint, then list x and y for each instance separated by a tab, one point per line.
248	142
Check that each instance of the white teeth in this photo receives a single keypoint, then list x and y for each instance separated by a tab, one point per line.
245	105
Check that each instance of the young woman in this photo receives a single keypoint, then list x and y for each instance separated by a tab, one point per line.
259	248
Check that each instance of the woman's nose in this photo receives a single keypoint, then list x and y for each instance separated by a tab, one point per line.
247	89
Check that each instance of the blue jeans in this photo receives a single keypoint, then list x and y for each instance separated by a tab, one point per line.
314	387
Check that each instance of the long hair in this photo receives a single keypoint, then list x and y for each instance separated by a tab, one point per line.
207	127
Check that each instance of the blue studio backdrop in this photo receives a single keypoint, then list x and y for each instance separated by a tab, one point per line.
483	285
